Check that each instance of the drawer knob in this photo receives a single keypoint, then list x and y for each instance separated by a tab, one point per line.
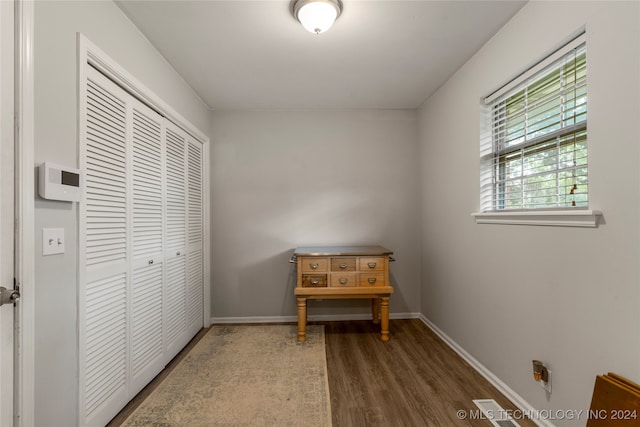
315	281
343	281
372	265
343	265
314	266
150	261
372	280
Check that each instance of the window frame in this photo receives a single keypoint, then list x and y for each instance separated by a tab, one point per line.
494	150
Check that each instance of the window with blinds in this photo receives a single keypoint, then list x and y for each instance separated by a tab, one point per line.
534	138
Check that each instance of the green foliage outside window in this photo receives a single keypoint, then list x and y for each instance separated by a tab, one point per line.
540	137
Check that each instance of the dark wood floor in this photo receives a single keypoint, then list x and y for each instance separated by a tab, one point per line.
415	379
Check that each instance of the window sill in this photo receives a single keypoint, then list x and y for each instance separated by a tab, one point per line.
572	218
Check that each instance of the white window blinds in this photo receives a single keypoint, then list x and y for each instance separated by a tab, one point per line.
534	136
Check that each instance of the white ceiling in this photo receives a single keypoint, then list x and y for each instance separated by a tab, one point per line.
379	54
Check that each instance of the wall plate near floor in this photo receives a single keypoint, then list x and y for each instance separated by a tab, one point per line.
496	414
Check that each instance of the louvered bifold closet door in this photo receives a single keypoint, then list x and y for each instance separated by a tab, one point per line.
147	349
176	333
141	246
194	237
104	254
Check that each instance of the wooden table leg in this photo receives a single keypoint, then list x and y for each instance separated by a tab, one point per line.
384	315
302	319
375	310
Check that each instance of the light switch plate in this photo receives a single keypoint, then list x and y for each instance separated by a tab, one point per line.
52	241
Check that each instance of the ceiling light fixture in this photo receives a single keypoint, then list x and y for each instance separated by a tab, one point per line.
317	16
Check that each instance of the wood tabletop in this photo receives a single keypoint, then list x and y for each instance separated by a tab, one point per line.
370	250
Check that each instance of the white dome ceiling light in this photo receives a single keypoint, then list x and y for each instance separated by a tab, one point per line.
317	16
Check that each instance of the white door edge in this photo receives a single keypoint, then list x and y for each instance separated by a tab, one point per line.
7	189
25	197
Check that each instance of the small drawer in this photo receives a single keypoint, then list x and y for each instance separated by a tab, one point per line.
343	264
314	280
312	264
371	279
372	264
343	279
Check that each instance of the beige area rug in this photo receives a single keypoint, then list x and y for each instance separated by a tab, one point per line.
244	376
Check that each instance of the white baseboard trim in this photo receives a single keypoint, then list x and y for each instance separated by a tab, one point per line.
252	319
509	393
313	318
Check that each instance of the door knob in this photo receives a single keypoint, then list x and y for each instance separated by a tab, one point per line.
8	296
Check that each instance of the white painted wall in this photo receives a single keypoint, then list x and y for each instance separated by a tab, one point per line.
56	140
282	179
510	294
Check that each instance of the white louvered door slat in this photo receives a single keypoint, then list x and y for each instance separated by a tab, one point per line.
194	237
106	204
105	349
147	352
194	291
176	189
104	223
176	332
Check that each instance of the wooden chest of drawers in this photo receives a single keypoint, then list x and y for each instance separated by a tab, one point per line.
343	271
331	272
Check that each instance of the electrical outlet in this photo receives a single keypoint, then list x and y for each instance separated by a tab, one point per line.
52	241
542	374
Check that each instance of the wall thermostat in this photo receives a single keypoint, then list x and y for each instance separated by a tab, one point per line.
57	182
